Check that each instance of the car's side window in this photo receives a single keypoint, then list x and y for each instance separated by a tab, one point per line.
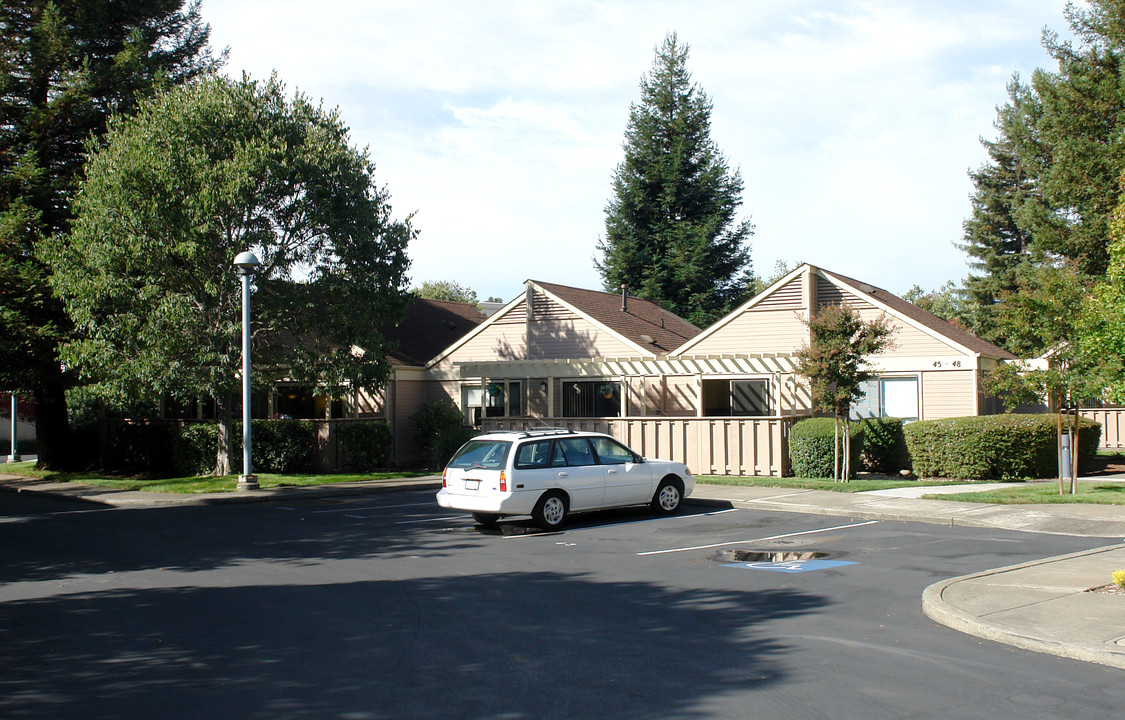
611	452
558	459
577	451
533	455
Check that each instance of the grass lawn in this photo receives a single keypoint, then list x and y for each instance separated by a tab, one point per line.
1094	492
852	486
193	484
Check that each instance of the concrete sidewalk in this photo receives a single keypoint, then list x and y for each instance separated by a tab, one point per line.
1043	606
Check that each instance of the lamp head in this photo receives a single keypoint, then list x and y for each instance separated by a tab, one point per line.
247	262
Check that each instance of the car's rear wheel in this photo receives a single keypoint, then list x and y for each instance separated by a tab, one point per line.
486	519
550	511
668	496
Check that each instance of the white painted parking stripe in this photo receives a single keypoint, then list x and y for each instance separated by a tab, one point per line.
763	539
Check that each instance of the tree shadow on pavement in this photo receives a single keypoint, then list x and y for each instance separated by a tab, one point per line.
509	646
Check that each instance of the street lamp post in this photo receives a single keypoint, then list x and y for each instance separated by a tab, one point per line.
14	457
247	263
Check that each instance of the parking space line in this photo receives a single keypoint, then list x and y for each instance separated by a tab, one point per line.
763	539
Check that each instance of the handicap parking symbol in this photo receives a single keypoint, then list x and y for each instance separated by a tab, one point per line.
791	566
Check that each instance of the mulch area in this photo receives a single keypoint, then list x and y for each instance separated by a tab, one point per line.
1104	465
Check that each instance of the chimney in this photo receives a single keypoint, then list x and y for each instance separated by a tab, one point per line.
624	298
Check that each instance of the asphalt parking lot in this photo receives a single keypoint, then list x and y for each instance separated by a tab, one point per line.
390	607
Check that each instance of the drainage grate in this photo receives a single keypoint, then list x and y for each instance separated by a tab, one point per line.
767	556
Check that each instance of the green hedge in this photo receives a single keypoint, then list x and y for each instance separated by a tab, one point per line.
365	446
884	446
280	446
172	449
812	447
993	446
440	431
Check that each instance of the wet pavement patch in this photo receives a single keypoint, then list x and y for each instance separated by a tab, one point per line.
788	561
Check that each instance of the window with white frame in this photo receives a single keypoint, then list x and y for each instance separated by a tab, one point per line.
888	397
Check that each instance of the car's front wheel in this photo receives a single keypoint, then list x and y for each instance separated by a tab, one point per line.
550	511
668	496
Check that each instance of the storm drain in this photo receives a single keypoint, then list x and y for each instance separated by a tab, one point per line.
767	556
787	561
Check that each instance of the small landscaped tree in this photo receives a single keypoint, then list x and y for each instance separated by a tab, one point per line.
834	363
1042	318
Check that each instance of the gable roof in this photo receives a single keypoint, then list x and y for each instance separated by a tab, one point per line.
644	323
879	297
927	320
429	327
651	329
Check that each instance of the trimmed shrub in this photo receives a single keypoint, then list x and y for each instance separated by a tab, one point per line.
280	446
993	446
195	449
812	447
440	431
139	447
364	445
884	446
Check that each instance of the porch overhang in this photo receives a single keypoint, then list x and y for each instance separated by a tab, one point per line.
655	365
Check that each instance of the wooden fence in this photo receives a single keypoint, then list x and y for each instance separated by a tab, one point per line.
1113	423
756	446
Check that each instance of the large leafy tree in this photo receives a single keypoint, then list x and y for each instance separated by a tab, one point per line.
65	67
199	174
448	290
1101	324
834	362
672	234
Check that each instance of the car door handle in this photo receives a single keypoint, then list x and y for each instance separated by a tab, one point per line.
612	472
562	474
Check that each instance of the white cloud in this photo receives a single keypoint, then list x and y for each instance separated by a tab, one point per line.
853	123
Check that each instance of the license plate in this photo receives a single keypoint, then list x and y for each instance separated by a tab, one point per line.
472	484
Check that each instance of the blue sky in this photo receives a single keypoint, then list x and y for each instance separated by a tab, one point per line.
499	123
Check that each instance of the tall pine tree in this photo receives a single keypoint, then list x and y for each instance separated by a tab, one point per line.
65	67
1044	201
994	239
672	234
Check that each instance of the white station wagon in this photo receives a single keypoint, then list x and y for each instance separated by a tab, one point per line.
550	473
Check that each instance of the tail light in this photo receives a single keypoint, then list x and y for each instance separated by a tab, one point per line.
444	482
503	482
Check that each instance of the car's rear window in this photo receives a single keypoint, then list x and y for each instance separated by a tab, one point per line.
490	454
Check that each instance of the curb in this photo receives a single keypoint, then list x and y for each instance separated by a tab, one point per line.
937	609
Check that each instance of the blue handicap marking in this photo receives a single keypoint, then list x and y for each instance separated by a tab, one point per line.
791	566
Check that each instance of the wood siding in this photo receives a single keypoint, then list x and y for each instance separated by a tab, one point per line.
757	331
708	446
948	394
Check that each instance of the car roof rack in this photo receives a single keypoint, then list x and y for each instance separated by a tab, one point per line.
536	432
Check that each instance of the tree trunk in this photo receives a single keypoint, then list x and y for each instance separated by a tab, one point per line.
1074	454
52	427
222	454
836	451
847	459
1061	490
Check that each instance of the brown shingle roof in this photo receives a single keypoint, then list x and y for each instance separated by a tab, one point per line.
430	326
644	323
917	314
